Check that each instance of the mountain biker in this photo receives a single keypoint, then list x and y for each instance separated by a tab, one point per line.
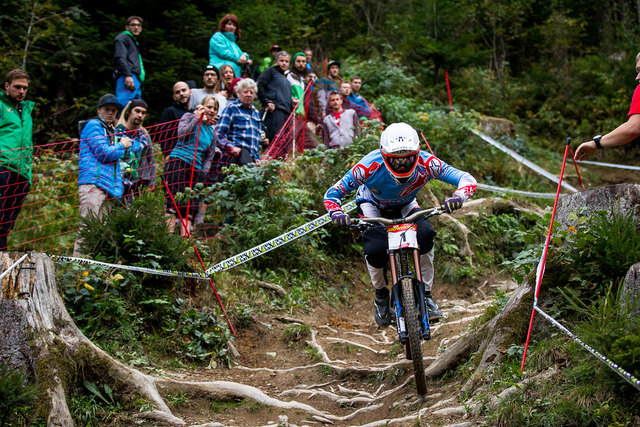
387	181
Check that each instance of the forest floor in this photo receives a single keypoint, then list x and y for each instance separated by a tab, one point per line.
347	369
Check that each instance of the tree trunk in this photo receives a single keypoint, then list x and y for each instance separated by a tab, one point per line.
40	337
489	340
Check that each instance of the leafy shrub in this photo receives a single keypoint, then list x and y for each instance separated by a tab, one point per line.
102	303
136	235
296	332
17	396
611	327
257	204
200	334
382	75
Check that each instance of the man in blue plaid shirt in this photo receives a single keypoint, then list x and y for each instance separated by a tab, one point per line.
240	124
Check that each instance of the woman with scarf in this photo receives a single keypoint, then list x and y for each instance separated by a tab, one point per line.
223	47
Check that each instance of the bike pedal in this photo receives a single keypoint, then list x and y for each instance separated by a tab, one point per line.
434	321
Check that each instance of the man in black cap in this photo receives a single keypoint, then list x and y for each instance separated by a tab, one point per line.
99	175
211	82
328	84
138	170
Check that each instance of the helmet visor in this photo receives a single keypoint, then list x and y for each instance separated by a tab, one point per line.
401	165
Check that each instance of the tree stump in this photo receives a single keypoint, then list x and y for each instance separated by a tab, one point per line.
40	337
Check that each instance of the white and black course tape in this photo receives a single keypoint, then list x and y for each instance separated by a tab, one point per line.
502	190
624	374
272	244
170	273
524	161
610	165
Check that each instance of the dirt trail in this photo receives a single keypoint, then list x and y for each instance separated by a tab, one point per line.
347	372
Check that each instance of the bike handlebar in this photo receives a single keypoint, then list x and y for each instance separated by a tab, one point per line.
428	213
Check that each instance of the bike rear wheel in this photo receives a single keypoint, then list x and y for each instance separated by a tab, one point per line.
414	347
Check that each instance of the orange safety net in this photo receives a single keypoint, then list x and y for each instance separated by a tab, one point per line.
49	219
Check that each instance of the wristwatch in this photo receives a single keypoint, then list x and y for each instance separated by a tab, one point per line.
597	139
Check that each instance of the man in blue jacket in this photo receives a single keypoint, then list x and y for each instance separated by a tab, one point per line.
100	177
128	72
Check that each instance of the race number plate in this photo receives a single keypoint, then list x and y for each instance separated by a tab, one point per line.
402	236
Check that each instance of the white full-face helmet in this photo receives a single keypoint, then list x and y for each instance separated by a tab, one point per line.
400	148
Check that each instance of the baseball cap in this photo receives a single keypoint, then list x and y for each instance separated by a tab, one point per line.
109	99
334	63
274	47
211	68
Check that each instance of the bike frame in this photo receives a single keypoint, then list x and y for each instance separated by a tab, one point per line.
399	254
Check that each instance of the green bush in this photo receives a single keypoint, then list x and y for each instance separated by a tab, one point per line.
136	235
17	396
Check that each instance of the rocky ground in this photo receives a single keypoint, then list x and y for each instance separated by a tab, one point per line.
346	372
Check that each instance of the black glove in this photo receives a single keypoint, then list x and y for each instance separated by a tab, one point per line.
340	218
453	203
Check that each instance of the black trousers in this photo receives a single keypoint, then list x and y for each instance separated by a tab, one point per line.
177	175
274	121
376	244
13	190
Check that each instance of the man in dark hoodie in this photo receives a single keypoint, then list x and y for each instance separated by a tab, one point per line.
128	73
167	132
274	92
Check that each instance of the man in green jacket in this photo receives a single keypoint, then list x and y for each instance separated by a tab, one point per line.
16	150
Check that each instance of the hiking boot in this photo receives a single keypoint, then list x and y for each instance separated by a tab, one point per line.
381	312
432	308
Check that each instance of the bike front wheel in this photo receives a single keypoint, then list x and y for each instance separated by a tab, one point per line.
413	331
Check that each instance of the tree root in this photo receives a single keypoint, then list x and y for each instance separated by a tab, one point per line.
60	349
270	286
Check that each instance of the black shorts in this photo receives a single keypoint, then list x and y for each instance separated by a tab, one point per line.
376	244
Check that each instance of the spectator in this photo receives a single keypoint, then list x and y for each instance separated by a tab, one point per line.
623	134
128	72
190	160
211	82
267	61
274	91
341	124
99	175
360	104
345	90
311	100
232	89
138	171
295	76
228	76
168	129
240	125
311	77
223	48
16	150
309	56
328	84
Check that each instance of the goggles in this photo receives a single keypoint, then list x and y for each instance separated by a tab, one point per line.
401	165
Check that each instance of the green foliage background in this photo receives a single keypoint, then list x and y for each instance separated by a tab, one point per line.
561	68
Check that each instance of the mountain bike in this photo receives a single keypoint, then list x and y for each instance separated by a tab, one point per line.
408	292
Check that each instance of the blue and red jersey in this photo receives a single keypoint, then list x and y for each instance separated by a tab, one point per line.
376	185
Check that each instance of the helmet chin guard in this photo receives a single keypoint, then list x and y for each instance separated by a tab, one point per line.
400	148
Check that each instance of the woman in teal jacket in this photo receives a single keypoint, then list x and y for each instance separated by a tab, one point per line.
223	48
